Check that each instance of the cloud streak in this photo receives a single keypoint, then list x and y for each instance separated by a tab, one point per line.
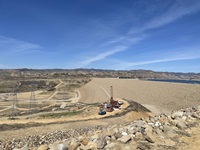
135	35
169	59
177	10
103	55
12	46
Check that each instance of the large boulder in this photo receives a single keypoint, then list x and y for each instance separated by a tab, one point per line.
125	138
43	147
176	114
181	125
101	142
74	145
168	131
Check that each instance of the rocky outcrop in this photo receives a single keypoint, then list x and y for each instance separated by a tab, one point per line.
157	132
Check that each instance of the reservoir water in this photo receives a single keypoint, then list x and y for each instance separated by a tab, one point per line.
176	81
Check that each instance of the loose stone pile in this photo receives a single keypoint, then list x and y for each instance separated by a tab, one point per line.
157	132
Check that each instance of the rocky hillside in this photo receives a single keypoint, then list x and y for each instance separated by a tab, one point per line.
156	132
64	73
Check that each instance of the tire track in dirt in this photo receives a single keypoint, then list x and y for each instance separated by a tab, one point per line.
93	93
159	97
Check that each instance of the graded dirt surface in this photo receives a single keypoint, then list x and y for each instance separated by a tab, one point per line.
193	142
38	130
88	117
159	97
87	114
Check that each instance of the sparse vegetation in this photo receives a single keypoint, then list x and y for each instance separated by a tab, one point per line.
58	115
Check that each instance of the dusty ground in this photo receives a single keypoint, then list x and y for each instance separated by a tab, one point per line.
192	143
90	113
159	97
88	118
156	96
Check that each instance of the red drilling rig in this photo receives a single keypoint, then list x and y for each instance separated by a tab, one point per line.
109	106
113	102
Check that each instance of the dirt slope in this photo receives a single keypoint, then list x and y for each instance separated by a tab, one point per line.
159	97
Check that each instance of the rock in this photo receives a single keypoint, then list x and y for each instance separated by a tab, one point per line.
138	123
198	108
157	124
138	135
25	147
83	140
176	114
63	106
184	118
148	128
101	143
168	142
82	147
181	125
7	146
58	146
124	133
149	139
131	146
110	146
73	145
92	145
168	131
195	115
54	109
143	146
115	130
62	147
125	138
113	138
173	122
117	135
151	123
94	138
184	133
43	147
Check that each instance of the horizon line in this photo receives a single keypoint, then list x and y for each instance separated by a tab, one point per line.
92	69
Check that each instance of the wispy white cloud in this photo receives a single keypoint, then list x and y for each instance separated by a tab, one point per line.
179	9
10	46
185	56
124	44
102	55
161	60
128	40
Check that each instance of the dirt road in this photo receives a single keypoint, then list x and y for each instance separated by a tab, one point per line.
56	92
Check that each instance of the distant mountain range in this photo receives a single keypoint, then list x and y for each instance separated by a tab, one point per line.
81	72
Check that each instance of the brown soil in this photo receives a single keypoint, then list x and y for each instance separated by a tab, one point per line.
193	142
159	97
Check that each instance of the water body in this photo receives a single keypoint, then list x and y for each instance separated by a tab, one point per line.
176	81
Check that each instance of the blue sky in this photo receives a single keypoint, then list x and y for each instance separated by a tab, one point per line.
160	35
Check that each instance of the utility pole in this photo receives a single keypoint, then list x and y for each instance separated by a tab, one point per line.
14	101
14	104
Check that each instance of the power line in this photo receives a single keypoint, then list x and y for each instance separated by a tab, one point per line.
14	104
32	100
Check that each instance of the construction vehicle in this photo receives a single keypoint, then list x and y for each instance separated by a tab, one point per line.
102	111
109	108
120	102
